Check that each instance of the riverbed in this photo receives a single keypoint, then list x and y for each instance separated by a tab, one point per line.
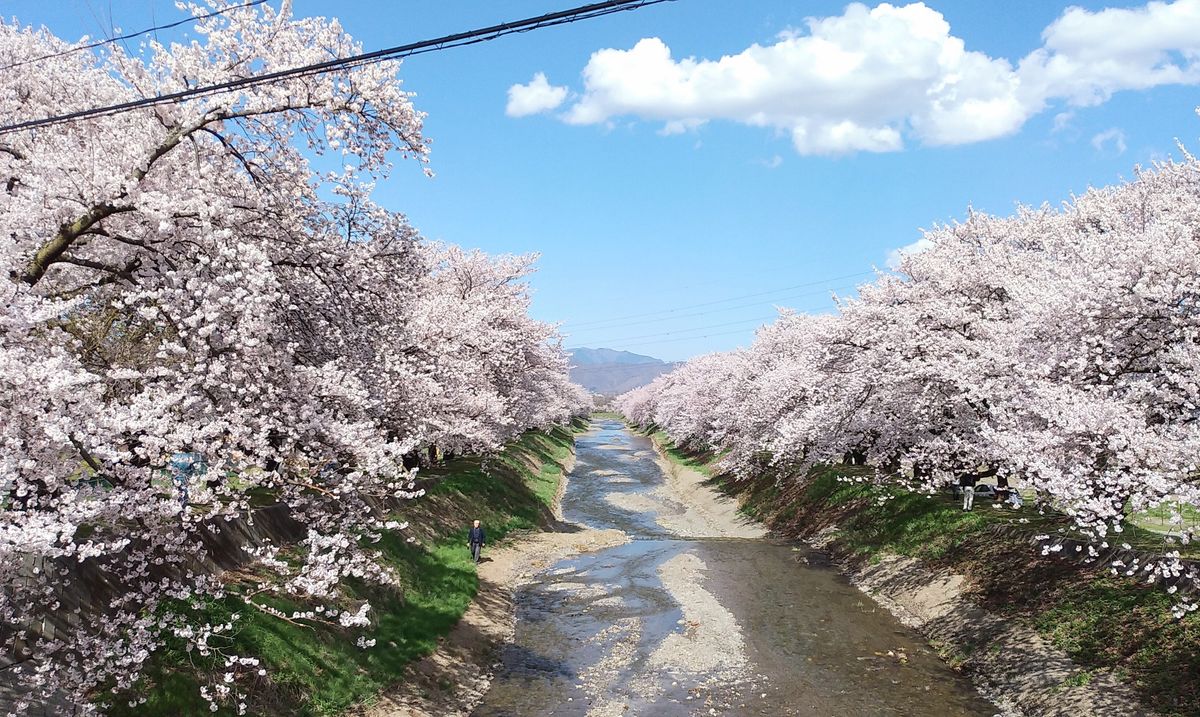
701	614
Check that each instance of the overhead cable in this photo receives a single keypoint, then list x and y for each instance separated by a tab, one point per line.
616	319
130	36
471	37
617	324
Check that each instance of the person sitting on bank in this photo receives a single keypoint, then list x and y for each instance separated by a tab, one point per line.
476	538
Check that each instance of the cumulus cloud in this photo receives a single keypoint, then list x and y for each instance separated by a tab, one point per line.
536	96
1087	56
874	79
1113	139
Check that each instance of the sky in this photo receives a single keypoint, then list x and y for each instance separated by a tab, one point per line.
686	168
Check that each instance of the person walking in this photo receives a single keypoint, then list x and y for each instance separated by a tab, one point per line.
966	482
476	538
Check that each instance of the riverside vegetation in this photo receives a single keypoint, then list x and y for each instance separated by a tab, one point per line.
1056	348
315	668
1101	621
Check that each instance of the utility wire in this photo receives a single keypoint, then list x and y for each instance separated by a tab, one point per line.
717	301
147	31
471	37
758	319
709	327
682	338
722	309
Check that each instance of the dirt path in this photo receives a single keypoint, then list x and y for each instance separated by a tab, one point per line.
455	677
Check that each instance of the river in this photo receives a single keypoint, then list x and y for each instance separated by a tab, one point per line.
695	617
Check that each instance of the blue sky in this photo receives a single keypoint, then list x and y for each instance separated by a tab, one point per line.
680	244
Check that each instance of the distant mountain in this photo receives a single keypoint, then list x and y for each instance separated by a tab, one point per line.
610	372
593	357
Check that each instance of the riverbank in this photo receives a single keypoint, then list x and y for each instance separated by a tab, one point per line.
315	668
1043	635
454	678
699	614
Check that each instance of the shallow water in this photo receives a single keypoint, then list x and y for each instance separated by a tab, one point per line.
668	626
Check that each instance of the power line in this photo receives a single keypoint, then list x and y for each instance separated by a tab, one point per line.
678	331
130	36
674	332
673	317
719	301
471	37
683	338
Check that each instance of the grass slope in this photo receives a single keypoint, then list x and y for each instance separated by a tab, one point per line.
1101	621
317	669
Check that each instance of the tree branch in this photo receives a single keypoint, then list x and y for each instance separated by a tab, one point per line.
53	250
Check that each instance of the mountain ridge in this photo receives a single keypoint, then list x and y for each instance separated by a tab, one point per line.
583	356
610	372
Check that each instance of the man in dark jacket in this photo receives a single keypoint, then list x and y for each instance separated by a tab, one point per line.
966	482
476	538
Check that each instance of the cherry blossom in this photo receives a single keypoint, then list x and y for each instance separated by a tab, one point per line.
1056	346
207	312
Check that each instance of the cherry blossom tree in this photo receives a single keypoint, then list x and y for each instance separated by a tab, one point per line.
488	371
1058	347
209	284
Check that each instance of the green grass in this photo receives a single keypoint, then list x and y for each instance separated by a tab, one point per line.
1107	623
610	415
701	461
315	670
897	522
1158	520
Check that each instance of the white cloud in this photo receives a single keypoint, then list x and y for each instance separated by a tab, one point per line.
845	136
1110	137
537	96
854	82
895	256
1087	56
772	163
1062	121
874	79
681	127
